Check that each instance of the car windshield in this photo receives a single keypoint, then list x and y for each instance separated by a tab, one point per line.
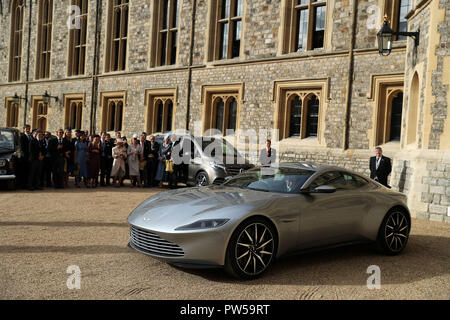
214	147
6	141
271	179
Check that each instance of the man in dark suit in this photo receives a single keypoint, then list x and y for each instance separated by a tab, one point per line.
380	167
268	155
106	159
58	148
152	161
24	163
36	153
47	163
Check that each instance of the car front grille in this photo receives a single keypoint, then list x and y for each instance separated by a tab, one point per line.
236	170
153	244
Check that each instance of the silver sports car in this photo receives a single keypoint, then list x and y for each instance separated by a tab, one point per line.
266	212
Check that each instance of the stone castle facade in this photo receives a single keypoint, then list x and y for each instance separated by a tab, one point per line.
310	69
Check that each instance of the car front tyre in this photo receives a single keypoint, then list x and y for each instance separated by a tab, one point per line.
201	179
394	231
251	250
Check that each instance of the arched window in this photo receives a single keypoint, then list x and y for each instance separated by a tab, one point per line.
112	116
169	115
15	60
73	124
413	110
220	110
119	116
12	114
295	116
232	114
312	119
40	112
112	111
73	114
159	116
161	105
396	117
44	39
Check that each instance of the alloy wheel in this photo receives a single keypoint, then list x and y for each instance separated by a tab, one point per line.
201	179
254	249
396	231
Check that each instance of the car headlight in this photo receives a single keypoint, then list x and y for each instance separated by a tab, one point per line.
217	165
204	224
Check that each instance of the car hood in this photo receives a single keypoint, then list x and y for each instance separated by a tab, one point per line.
170	210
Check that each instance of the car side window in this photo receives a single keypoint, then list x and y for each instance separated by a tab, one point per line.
331	178
350	181
362	182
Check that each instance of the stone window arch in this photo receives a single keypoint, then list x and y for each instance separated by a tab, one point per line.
300	114
161	106
12	113
413	109
224	112
39	114
231	96
73	114
113	109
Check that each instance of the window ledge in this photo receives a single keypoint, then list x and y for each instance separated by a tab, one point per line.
300	142
391	146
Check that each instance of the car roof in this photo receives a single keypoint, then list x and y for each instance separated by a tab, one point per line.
305	165
10	129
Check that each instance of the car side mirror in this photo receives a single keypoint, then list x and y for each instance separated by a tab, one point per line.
325	189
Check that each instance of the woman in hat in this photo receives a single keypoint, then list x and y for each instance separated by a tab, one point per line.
134	154
119	153
164	154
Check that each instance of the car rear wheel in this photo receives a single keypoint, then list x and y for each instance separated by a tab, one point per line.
201	179
394	232
251	250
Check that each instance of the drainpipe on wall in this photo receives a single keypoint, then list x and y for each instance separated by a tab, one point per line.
348	98
191	55
28	63
95	72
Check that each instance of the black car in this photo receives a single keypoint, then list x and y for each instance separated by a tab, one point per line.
9	155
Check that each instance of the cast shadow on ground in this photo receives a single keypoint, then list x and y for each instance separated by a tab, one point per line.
424	257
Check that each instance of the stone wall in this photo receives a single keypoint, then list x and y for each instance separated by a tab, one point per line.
421	174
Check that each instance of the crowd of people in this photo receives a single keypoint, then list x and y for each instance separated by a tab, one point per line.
93	160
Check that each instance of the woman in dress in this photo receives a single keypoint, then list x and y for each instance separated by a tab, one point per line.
164	154
119	153
134	154
94	149
80	159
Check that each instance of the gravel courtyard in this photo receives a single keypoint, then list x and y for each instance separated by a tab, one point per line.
45	232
